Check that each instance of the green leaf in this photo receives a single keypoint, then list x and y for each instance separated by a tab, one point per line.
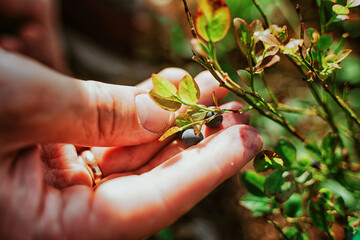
292	46
295	234
329	61
303	176
257	26
267	160
171	131
313	149
253	182
280	33
339	190
324	42
325	194
243	34
340	10
168	103
267	62
286	151
196	114
329	144
313	35
279	186
163	87
245	76
212	20
319	213
304	162
269	39
165	234
342	55
189	90
293	206
257	204
183	119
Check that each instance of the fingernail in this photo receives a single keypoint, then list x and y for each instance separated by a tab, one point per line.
151	116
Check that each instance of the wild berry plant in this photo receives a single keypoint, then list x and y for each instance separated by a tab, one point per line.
316	189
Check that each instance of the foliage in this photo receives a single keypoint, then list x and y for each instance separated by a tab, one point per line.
314	188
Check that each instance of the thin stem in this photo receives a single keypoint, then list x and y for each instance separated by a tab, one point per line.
322	16
342	104
331	20
190	20
278	119
316	95
266	21
331	236
338	100
290	109
268	90
279	229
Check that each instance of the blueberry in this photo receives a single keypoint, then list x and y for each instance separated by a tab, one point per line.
189	137
216	122
315	164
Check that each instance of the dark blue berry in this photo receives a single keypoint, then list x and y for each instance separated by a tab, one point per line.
315	164
214	123
189	137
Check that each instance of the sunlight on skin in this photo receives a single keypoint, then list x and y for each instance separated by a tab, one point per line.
46	190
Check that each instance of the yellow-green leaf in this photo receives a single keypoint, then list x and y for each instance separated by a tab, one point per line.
212	20
189	91
340	10
168	103
163	87
196	114
183	119
171	131
245	76
292	46
342	55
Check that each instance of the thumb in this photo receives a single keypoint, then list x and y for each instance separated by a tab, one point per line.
38	105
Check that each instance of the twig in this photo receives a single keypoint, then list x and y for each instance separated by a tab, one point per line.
266	21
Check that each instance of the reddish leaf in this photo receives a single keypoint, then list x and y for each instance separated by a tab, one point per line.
243	35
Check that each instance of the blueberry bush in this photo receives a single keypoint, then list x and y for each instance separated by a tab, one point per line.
304	181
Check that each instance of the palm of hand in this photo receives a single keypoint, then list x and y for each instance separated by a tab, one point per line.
46	190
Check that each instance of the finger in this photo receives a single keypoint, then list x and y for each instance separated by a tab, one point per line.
209	85
125	159
177	146
62	167
11	43
171	189
229	119
42	43
173	75
56	108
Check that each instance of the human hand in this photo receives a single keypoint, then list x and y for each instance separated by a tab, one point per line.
47	191
31	27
